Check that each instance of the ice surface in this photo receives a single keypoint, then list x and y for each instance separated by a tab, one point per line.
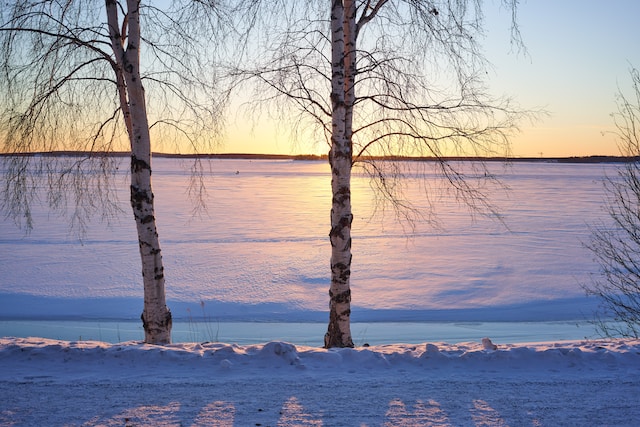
307	333
262	252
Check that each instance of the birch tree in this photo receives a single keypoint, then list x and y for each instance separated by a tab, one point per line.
616	245
74	79
382	79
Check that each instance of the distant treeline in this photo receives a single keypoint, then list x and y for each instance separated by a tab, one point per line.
246	156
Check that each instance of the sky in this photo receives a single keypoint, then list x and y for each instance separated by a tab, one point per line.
579	54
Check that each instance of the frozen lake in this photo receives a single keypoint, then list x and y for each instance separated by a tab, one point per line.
261	253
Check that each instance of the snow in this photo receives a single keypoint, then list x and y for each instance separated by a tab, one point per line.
261	253
74	383
470	323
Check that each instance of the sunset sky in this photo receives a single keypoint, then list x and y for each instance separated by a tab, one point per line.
579	54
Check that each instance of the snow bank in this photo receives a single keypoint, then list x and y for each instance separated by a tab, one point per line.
21	357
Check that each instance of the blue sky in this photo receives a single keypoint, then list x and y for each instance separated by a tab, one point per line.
579	53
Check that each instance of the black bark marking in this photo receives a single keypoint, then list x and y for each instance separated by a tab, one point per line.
341	298
140	197
152	250
337	230
138	165
334	336
346	154
159	273
154	326
335	99
342	196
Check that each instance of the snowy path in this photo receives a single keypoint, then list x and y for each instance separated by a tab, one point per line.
56	383
361	401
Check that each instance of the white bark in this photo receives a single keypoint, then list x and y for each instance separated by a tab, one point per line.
156	317
340	159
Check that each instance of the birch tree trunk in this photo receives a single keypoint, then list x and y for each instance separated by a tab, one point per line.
340	159
156	317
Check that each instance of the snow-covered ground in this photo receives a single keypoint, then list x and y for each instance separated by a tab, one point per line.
261	255
55	383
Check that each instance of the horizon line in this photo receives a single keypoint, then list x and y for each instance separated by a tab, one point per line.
260	156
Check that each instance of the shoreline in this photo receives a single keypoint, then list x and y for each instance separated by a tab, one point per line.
315	157
303	333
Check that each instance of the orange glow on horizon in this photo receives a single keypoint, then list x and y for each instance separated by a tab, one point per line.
538	141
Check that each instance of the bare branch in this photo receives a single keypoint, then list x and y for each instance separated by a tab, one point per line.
368	13
616	245
58	93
